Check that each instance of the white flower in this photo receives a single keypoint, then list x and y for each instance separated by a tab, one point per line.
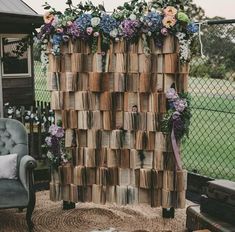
114	33
96	34
10	111
95	21
133	17
149	33
141	19
49	155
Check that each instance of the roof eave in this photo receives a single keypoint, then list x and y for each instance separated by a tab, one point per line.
33	20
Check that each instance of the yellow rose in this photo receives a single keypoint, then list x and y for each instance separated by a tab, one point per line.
48	17
170	11
168	21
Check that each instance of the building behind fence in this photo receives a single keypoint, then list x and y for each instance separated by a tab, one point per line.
210	148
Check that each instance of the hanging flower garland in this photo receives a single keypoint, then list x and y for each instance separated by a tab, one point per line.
135	19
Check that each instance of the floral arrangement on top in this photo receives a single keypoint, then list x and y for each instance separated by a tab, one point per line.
135	19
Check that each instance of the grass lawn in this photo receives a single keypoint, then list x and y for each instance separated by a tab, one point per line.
210	148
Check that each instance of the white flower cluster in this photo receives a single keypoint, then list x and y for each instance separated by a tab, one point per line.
184	46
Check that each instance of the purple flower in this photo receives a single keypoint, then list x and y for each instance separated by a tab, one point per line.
180	105
56	131
73	30
108	24
192	28
59	132
130	28
46	29
171	94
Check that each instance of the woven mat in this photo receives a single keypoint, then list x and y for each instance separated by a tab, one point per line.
48	216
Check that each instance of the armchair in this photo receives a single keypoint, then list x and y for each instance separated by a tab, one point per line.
18	192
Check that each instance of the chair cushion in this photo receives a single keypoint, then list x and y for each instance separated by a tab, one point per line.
8	166
12	194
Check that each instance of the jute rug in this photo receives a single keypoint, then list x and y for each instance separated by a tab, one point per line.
88	217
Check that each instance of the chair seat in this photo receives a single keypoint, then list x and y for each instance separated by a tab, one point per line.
12	194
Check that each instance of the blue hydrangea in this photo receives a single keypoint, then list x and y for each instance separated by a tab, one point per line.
57	39
108	23
192	28
83	21
153	21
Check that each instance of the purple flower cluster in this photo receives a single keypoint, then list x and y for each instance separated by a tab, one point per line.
130	28
54	143
45	30
56	131
180	105
73	31
175	102
108	23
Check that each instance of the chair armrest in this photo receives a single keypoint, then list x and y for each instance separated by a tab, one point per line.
27	164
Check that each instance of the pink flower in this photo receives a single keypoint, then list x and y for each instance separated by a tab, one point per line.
170	11
59	30
164	31
89	30
168	21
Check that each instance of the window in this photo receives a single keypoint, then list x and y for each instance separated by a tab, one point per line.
15	61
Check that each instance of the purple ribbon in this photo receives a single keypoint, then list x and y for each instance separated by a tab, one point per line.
176	150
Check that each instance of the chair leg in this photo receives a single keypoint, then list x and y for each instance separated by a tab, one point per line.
30	209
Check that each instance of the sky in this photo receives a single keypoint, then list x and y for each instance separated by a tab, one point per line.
223	8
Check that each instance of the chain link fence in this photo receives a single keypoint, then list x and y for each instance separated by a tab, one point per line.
40	75
210	148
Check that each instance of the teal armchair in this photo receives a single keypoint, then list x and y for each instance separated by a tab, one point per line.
18	192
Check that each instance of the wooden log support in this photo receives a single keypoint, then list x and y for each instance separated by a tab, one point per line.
169	44
79	175
145	63
82	82
112	176
119	82
101	176
145	83
77	62
158	160
98	194
95	80
90	176
133	63
170	63
121	195
105	101
113	158
156	179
